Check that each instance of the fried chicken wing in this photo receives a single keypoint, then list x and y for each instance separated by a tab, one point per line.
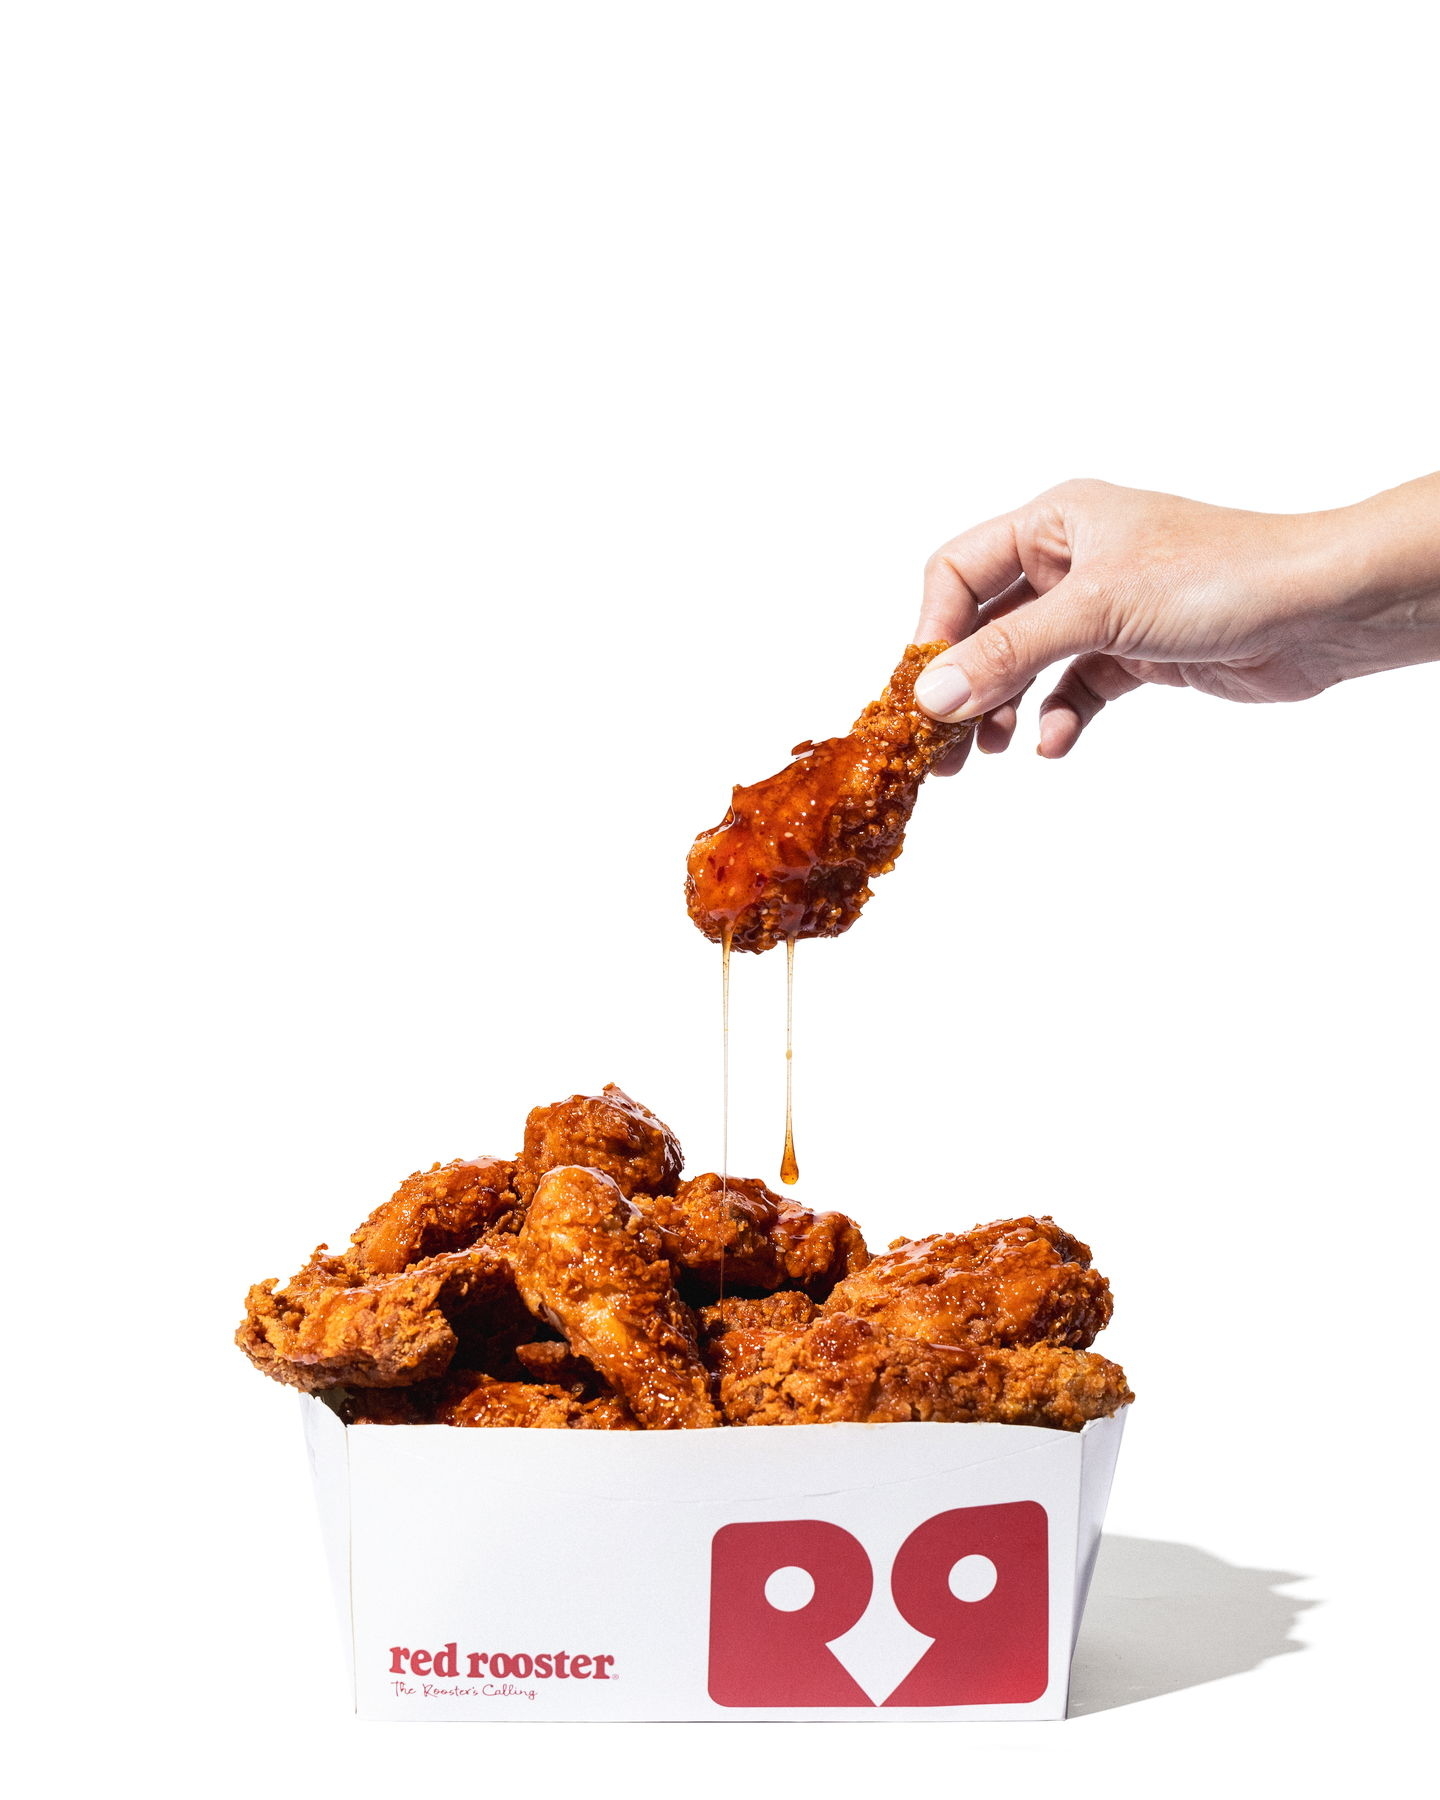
727	1232
794	855
586	1261
478	1400
607	1131
387	1332
445	1207
1014	1282
841	1369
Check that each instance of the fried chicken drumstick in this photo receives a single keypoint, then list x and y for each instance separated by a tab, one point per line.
794	855
557	1292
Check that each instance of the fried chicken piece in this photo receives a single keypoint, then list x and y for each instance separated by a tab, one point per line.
478	1400
586	1261
556	1364
445	1207
388	1332
846	1370
727	1232
734	1332
794	855
1017	1281
607	1131
1052	1384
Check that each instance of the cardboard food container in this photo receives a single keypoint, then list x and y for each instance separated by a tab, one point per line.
868	1572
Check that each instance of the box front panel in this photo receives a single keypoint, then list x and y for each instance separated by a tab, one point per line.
893	1572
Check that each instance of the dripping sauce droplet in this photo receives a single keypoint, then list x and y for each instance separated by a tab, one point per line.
789	1167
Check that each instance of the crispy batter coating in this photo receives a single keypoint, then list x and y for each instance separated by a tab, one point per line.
586	1261
1052	1384
728	1233
846	1370
785	1311
1017	1281
607	1131
794	855
445	1207
478	1400
984	1240
388	1332
735	1332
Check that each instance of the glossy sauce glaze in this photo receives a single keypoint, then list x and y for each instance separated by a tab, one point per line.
794	854
759	871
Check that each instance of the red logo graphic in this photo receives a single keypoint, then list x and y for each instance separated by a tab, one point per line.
987	1650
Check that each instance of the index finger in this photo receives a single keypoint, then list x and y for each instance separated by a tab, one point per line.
971	569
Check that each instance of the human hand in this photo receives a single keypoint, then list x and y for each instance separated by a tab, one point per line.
1139	587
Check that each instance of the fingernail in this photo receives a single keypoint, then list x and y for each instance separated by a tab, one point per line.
943	691
1051	733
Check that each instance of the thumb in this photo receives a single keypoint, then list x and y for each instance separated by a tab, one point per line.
996	662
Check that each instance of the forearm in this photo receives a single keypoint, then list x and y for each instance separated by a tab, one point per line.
1384	556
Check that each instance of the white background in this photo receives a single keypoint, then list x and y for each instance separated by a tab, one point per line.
447	445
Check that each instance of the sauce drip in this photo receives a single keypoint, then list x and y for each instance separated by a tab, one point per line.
725	937
725	1055
789	1168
